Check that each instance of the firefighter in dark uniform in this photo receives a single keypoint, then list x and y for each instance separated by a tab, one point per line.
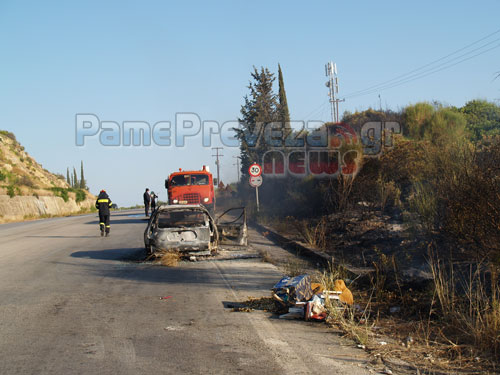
147	201
103	203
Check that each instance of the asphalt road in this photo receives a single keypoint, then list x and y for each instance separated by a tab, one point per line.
72	302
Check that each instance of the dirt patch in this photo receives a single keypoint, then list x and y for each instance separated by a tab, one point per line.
258	303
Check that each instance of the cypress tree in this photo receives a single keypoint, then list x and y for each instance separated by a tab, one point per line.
83	183
68	179
75	178
283	112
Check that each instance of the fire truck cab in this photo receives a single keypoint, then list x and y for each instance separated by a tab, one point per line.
191	187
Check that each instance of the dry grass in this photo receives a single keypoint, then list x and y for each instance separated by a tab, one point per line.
294	267
313	234
472	317
327	277
266	257
354	323
351	320
168	258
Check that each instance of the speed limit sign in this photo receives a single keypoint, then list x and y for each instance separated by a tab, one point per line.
255	170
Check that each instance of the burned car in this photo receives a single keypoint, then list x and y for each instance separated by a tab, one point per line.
190	229
185	228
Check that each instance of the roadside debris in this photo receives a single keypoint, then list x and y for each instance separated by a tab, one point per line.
293	313
299	298
345	295
167	297
306	300
290	290
242	309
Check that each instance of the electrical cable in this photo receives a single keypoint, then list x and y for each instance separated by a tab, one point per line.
409	74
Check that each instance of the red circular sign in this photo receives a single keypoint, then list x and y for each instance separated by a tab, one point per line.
255	170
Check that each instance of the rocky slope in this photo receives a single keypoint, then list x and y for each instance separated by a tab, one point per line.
27	190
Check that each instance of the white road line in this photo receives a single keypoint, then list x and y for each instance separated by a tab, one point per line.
283	353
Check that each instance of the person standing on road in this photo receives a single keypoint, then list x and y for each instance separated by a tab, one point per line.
103	203
153	202
147	201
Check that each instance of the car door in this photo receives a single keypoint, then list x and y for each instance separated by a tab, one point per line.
232	227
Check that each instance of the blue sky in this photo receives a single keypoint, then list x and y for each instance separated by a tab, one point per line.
146	61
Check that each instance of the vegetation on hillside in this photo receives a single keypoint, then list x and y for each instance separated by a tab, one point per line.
20	174
441	180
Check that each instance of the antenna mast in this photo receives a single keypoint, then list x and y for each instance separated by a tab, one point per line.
333	86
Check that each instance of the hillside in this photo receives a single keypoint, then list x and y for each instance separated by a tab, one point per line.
27	190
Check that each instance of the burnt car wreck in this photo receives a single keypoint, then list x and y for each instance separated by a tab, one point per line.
191	230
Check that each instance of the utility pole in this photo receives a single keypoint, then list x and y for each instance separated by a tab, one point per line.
333	86
217	162
237	165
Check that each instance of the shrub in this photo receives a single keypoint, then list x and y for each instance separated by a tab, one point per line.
416	118
26	181
8	134
80	195
61	192
3	176
64	195
439	125
11	192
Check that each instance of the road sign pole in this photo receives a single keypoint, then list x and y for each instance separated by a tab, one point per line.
257	197
255	172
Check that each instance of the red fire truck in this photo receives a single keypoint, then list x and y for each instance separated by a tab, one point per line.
191	187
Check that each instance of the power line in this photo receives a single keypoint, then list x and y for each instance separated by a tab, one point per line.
409	74
424	74
315	110
429	64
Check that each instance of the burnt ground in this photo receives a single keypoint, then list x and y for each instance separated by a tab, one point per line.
392	284
365	239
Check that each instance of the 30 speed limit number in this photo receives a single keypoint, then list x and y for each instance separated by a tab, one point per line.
255	170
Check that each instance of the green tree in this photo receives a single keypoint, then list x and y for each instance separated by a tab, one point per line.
68	179
75	179
483	118
416	119
434	123
283	112
259	110
83	183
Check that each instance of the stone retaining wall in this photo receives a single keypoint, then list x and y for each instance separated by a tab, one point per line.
20	208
